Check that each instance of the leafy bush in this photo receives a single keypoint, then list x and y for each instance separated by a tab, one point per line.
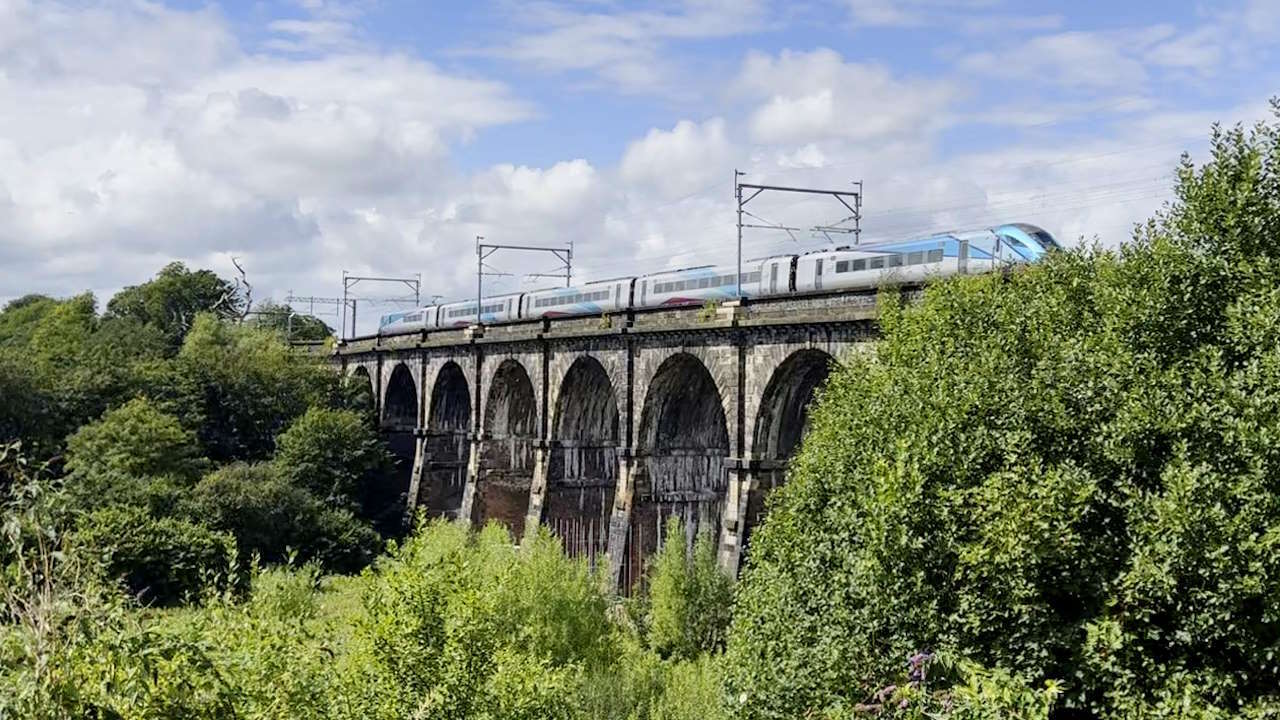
160	561
238	387
136	440
689	596
469	626
333	453
1067	472
271	518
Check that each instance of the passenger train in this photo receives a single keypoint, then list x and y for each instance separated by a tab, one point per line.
858	267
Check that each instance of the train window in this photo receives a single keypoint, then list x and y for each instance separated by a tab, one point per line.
644	285
935	255
895	261
876	263
842	266
860	264
704	283
817	275
915	258
773	277
755	276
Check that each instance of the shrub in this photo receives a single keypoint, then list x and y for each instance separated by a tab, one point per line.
238	386
333	453
136	440
1066	472
160	561
271	518
689	596
469	626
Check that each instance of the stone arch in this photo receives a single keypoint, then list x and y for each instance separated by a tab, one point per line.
507	449
361	392
447	444
720	361
780	424
400	404
682	443
783	417
583	463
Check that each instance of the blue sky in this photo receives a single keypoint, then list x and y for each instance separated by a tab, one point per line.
308	137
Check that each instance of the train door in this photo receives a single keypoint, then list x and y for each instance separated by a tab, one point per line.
817	275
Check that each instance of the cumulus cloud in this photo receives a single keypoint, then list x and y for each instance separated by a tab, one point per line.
818	95
680	161
178	143
327	153
624	50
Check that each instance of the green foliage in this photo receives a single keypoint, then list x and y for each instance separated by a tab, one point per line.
335	454
691	690
1066	472
20	318
468	626
160	561
292	326
174	298
238	386
27	410
689	596
136	439
62	366
272	519
939	687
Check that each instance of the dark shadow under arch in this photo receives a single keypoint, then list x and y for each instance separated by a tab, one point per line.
681	449
447	444
583	464
506	460
400	406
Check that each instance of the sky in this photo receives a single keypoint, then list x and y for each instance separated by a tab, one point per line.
380	137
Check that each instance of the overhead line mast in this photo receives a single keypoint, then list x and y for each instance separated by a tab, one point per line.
484	250
850	199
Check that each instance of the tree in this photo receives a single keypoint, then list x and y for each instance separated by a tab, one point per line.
271	517
294	326
19	318
337	456
689	596
238	387
138	440
175	297
1065	472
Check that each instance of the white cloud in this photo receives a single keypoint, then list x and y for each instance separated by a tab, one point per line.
627	50
818	95
970	16
117	157
674	163
1075	59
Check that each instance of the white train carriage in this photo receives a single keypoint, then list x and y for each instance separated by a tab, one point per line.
694	286
594	298
407	321
913	261
497	309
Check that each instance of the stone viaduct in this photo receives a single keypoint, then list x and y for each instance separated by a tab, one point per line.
602	427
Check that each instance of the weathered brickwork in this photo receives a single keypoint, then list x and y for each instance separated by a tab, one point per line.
601	428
